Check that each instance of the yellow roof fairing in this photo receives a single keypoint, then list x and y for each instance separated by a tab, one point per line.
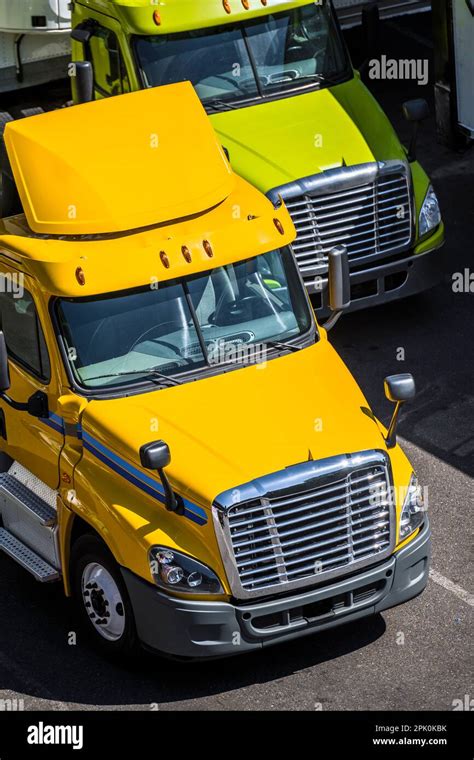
118	164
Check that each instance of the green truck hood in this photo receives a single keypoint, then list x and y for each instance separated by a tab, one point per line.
278	141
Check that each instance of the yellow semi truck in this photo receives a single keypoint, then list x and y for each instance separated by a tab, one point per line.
181	447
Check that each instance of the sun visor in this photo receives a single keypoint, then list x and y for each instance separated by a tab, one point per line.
118	164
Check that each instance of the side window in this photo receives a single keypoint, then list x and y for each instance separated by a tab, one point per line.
110	77
23	334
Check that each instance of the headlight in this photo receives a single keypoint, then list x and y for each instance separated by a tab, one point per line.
172	570
413	509
430	215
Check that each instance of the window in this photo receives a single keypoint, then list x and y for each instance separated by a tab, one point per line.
256	58
110	76
185	326
23	334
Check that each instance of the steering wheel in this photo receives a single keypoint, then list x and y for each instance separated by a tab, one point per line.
231	81
164	343
243	310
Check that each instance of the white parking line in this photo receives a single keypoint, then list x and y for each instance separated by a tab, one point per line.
453	587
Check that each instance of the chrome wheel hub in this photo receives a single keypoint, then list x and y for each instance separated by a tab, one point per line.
103	601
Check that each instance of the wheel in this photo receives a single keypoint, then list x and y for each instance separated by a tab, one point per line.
101	598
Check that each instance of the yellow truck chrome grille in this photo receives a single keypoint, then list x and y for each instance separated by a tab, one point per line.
292	537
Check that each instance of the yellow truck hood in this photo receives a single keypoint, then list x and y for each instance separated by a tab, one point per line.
226	430
277	142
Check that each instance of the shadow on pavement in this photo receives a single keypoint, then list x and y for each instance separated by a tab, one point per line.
35	635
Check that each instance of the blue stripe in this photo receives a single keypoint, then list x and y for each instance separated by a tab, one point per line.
53	425
103	458
56	418
139	479
57	423
122	463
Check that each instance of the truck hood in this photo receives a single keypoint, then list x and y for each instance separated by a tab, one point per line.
226	430
280	141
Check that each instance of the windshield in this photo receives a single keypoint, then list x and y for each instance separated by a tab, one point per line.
226	315
252	59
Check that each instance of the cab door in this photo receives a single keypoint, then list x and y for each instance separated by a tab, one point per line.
33	441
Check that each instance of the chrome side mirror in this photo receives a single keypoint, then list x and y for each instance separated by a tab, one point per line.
339	284
398	389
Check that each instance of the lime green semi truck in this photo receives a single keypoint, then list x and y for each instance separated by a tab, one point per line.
295	119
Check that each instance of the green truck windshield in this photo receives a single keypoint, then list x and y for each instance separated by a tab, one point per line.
227	315
261	57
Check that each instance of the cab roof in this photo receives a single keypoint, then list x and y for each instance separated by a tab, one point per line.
137	16
243	225
118	164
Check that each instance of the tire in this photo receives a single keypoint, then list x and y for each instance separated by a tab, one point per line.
101	598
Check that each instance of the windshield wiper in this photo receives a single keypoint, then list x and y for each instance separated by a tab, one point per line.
217	103
152	372
281	344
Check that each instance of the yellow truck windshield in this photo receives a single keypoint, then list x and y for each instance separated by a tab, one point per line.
164	331
257	58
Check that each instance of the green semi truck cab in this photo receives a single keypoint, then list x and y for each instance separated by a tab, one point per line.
295	119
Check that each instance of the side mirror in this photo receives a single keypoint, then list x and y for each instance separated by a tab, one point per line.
339	284
156	456
82	81
4	371
415	111
398	389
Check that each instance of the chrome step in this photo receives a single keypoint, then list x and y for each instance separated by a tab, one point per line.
27	558
11	487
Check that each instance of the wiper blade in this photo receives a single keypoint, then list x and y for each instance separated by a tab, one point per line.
281	344
217	103
152	372
331	78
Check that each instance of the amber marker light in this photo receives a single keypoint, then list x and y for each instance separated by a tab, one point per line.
246	4
264	2
164	260
80	276
208	248
279	226
186	253
227	7
157	18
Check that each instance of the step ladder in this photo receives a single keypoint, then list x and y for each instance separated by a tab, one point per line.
26	557
29	532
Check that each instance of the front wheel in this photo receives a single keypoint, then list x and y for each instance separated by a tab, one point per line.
101	598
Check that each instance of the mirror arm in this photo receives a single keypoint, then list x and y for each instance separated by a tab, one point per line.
333	319
17	405
391	438
413	142
173	502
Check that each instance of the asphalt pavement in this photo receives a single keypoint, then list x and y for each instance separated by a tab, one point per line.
414	657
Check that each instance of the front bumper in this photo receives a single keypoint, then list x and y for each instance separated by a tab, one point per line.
387	282
192	629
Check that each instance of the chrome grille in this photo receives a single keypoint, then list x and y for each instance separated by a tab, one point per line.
303	535
368	212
